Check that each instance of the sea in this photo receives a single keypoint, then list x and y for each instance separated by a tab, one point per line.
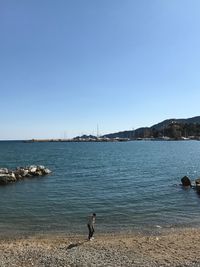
131	186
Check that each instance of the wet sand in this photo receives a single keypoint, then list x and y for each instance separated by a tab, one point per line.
167	248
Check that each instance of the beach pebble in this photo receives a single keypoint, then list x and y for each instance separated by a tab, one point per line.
174	249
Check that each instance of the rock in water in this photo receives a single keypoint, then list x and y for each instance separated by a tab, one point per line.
4	170
9	176
46	171
197	182
3	180
186	181
33	169
6	178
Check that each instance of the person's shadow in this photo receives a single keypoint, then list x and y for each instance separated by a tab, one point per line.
76	244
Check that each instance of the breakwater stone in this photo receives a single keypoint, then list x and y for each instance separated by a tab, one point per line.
186	181
10	176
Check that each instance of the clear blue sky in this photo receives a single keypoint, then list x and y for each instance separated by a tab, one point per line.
66	66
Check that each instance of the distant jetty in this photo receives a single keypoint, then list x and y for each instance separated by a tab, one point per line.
81	139
10	176
106	139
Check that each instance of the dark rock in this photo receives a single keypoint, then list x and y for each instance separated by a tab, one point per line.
7	178
38	173
18	176
197	182
21	172
186	181
3	180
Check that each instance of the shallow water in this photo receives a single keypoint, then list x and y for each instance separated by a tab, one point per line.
130	185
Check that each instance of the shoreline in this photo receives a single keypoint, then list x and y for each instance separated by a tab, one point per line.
169	247
152	230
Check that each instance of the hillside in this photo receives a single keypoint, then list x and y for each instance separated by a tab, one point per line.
166	123
173	128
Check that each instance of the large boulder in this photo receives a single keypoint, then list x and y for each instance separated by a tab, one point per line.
4	170
32	170
7	178
21	172
186	181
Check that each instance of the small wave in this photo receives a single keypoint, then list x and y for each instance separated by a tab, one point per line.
158	226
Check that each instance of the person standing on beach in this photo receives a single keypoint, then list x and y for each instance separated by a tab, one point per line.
90	225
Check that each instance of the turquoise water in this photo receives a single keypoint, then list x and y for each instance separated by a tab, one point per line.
130	185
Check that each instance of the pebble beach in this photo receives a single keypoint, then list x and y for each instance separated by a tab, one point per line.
166	248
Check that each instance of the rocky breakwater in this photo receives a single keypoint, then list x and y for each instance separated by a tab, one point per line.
10	176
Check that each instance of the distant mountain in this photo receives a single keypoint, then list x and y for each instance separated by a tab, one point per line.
173	128
166	123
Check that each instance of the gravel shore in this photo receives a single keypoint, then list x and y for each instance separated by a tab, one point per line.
171	248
